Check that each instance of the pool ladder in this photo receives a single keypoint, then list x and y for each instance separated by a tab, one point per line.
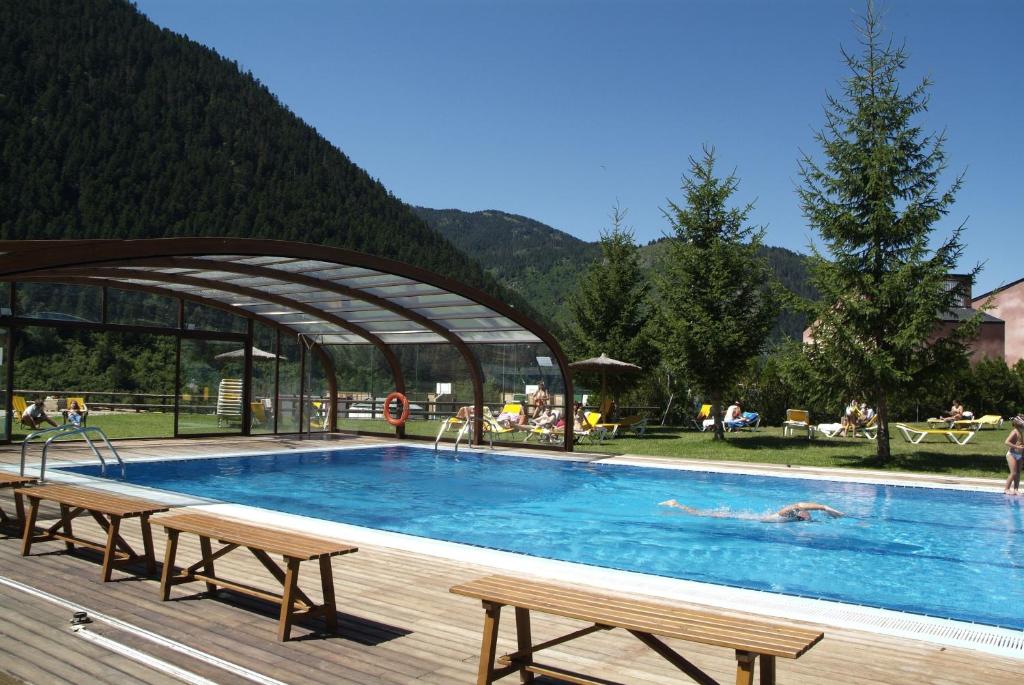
68	430
466	428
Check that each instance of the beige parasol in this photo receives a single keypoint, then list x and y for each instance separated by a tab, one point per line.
604	365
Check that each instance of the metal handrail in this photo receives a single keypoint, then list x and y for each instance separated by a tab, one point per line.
68	430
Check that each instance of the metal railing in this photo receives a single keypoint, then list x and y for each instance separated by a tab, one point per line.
68	430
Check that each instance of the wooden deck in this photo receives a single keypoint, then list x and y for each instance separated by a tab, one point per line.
397	623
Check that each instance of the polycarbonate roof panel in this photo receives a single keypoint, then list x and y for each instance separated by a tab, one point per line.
309	293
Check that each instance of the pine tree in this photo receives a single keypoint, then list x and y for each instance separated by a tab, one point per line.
718	296
875	200
610	309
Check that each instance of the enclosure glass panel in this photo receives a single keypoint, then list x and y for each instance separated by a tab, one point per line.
264	371
438	383
134	308
59	302
363	379
512	374
123	382
202	318
211	387
289	399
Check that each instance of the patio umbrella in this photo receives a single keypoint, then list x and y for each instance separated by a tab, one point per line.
257	353
604	365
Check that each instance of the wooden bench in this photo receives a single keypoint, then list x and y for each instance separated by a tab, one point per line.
751	637
9	480
262	541
107	508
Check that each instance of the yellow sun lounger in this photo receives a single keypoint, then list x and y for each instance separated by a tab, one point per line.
915	435
986	421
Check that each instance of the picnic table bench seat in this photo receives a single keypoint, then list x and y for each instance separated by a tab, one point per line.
648	620
10	480
107	508
261	541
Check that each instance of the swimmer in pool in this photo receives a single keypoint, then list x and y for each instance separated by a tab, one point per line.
800	511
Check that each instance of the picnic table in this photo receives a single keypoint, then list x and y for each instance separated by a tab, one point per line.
106	508
261	541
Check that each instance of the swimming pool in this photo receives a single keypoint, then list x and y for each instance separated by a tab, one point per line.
947	553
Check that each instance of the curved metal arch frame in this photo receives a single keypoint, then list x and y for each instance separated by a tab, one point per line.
325	358
22	257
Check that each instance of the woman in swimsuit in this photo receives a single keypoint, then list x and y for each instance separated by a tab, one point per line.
1014	455
800	511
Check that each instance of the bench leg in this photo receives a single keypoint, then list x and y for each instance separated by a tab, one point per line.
30	525
524	641
19	507
65	522
330	607
168	570
147	544
207	551
111	549
291	585
745	667
767	669
489	645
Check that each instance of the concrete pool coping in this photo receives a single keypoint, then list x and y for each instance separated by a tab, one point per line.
989	639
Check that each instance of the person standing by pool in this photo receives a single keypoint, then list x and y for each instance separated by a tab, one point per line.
1014	455
799	511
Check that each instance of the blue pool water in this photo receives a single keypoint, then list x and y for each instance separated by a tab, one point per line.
947	553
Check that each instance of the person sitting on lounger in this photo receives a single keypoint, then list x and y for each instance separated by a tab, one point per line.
800	511
35	414
510	420
547	418
75	414
956	412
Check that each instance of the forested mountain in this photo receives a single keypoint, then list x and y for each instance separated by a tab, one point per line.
113	127
543	264
534	260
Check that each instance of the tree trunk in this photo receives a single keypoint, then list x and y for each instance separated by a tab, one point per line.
716	414
883	452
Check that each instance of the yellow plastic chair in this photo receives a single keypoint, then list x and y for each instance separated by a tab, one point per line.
18	406
797	420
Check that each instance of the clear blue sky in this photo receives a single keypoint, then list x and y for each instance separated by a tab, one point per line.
558	109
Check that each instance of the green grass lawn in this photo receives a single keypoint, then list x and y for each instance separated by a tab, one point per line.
982	457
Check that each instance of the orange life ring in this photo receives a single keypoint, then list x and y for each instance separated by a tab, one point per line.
405	409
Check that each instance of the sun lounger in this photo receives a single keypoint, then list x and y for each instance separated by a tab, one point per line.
106	508
798	421
9	480
636	424
229	401
915	436
751	637
262	541
986	421
748	421
702	415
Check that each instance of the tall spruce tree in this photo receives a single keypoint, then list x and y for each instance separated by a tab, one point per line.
875	200
610	308
718	296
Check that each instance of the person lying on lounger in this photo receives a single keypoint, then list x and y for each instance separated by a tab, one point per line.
800	511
